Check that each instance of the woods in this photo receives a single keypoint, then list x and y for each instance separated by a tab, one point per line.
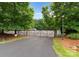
62	16
15	16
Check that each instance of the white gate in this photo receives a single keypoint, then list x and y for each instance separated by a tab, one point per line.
40	33
46	33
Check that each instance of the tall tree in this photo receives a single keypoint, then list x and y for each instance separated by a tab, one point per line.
50	19
16	16
40	24
62	15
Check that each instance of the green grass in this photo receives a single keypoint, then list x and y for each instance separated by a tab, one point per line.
63	52
74	36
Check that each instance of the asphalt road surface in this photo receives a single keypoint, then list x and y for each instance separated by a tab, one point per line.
30	47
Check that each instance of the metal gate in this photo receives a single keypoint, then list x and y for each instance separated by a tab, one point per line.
42	33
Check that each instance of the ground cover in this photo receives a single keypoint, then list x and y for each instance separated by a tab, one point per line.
5	38
66	47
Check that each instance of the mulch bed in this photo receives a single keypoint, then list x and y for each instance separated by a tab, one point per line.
6	36
71	44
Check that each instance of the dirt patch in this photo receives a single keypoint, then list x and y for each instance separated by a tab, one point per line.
70	44
7	37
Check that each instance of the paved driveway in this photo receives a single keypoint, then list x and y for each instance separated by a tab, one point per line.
31	47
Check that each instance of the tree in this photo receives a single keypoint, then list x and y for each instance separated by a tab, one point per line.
64	16
25	20
5	15
71	17
51	19
16	16
40	24
70	12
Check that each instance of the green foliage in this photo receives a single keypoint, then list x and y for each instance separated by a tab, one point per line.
51	21
16	16
74	36
62	13
40	24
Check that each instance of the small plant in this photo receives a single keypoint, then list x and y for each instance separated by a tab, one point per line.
74	36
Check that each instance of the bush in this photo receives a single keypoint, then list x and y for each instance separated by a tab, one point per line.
74	36
69	31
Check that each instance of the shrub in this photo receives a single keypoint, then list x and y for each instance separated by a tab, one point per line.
74	36
69	31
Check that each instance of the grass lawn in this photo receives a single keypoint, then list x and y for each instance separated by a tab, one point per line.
61	51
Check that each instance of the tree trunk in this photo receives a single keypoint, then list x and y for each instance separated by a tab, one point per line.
62	34
2	31
15	31
55	33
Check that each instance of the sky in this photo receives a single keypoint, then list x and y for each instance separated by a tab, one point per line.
37	6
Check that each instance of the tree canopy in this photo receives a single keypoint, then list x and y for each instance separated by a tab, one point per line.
62	13
16	16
